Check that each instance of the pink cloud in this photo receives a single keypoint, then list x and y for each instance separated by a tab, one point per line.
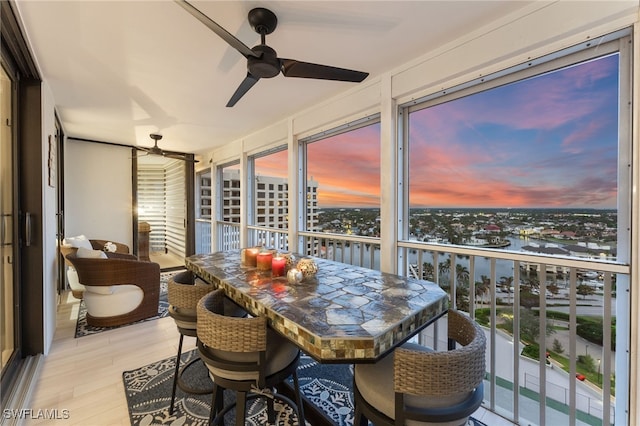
572	141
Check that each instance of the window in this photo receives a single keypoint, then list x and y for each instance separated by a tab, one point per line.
343	180
229	176
270	174
534	160
203	198
527	165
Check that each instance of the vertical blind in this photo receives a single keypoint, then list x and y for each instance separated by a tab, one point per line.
162	204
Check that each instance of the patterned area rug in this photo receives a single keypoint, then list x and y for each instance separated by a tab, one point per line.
148	392
84	329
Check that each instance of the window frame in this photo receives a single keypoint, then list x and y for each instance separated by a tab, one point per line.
303	143
221	189
619	42
591	49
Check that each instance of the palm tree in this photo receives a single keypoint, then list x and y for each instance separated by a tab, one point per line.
532	283
428	272
482	288
506	283
444	268
462	274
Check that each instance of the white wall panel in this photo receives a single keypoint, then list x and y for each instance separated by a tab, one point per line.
49	243
269	137
511	41
98	199
362	101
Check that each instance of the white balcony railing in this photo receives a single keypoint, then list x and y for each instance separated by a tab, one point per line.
268	237
203	236
574	300
351	249
228	236
552	293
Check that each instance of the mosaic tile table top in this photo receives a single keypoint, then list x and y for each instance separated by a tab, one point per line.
344	314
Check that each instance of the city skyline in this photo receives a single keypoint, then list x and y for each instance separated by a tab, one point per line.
549	141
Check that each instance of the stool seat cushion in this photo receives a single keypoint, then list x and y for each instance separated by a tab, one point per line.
375	383
184	318
280	353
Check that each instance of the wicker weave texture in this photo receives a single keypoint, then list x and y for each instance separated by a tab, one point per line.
121	269
229	333
185	296
445	373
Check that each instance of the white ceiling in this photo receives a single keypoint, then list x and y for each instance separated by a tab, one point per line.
120	70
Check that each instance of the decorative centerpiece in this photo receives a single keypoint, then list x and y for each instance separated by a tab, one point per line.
278	265
110	247
308	268
250	256
290	260
263	260
294	276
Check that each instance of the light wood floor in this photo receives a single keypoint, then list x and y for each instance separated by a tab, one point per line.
167	260
84	375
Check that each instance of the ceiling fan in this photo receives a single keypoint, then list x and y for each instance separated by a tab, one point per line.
156	150
262	60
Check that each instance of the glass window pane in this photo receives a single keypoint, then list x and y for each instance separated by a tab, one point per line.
343	182
230	176
530	166
271	174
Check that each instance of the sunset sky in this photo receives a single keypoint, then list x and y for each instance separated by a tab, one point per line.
549	141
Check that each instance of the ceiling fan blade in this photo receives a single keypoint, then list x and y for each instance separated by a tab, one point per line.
220	31
244	87
179	157
293	68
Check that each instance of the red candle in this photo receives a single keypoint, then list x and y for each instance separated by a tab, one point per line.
277	266
250	256
263	261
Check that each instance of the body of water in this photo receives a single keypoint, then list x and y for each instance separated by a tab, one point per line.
482	265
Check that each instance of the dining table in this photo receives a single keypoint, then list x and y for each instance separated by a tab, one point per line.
342	314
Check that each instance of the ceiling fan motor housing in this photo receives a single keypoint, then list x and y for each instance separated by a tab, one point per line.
263	61
263	21
267	65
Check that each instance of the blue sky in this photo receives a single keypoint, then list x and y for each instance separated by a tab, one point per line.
548	141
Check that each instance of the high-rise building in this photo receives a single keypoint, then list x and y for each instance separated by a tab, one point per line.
271	200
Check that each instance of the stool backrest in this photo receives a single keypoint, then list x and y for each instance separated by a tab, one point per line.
226	333
183	293
444	373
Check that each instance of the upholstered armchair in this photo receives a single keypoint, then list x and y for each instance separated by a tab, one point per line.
71	245
119	288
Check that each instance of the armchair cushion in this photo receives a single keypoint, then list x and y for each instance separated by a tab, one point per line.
90	253
97	290
89	249
77	242
74	282
118	301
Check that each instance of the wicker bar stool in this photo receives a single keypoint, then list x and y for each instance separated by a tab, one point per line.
184	292
244	355
183	296
418	386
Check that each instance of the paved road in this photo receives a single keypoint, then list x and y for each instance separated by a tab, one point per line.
589	399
